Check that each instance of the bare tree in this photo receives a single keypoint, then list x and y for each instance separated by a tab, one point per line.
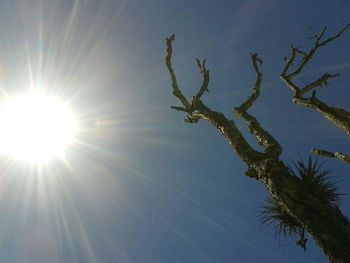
337	116
298	204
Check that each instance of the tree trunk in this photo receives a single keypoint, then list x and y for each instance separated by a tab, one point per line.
324	221
326	224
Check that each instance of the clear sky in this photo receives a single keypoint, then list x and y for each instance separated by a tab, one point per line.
141	185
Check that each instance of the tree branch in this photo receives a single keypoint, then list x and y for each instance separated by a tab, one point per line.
338	155
318	43
323	80
284	186
264	138
178	108
306	57
340	32
231	133
337	116
176	90
205	75
256	90
196	110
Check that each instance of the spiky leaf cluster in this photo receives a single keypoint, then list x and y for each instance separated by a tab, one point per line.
313	180
285	224
316	181
274	213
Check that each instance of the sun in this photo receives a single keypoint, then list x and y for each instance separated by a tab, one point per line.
35	127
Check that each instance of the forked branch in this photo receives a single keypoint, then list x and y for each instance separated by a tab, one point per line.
256	90
337	116
307	56
197	110
187	106
264	138
266	166
205	75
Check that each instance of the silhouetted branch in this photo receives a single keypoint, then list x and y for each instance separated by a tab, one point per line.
286	189
197	110
176	90
178	108
318	43
338	155
256	91
340	32
263	137
302	53
205	75
323	80
337	116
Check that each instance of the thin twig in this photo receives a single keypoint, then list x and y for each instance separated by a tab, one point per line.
256	91
318	83
205	75
318	43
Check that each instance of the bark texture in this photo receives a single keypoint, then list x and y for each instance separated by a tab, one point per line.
324	222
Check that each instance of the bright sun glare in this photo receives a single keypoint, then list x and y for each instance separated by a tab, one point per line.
35	127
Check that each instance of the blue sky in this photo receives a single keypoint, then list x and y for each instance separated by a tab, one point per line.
142	185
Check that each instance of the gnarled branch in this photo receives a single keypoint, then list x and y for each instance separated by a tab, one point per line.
307	56
337	116
176	90
205	75
264	138
323	80
197	110
338	155
266	166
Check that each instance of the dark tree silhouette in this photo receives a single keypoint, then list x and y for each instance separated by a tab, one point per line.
302	200
337	116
